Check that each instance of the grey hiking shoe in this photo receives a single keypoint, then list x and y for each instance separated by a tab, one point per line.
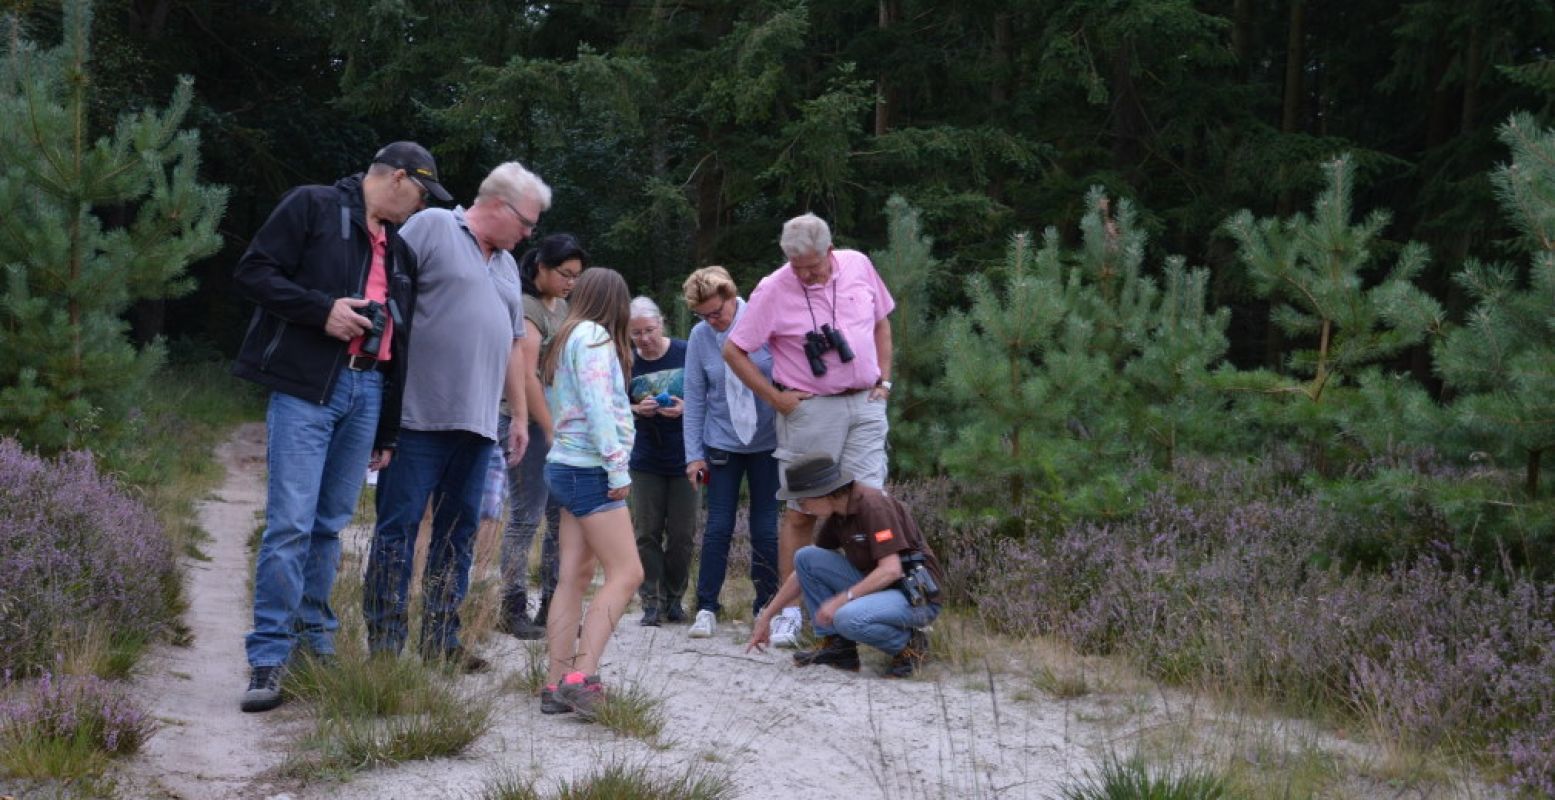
550	703
264	689
584	695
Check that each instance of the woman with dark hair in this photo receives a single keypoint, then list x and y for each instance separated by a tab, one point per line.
548	273
587	472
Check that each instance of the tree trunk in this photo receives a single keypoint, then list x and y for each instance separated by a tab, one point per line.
1473	69
886	94
1290	112
149	18
1128	122
1242	32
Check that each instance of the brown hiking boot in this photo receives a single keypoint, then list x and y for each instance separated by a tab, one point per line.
833	651
911	657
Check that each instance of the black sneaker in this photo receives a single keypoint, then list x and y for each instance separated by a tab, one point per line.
264	689
650	618
463	660
675	613
833	651
911	658
520	627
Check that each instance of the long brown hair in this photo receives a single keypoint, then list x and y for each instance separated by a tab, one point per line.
600	296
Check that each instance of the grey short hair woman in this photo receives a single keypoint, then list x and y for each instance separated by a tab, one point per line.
664	507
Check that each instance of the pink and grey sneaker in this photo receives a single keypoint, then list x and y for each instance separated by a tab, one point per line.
583	694
550	703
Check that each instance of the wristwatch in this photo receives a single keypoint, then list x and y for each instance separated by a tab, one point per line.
850	595
884	384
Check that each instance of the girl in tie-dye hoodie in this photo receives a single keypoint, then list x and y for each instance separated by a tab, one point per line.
586	471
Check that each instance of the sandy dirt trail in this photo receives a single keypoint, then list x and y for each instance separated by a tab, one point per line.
773	730
206	747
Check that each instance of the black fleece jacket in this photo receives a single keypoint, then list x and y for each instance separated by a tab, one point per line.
313	249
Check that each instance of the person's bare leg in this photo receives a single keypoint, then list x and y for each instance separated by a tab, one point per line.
609	538
796	530
574	572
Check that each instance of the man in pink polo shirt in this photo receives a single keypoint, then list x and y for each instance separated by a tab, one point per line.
823	316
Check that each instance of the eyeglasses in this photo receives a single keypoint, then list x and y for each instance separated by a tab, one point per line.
570	277
716	313
522	220
425	192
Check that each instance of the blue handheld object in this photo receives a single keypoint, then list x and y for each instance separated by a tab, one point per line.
664	399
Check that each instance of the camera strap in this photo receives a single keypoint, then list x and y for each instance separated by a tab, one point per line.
815	326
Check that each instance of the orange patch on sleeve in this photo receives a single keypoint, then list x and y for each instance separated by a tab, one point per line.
883	536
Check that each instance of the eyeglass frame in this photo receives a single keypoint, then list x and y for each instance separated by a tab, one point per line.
426	194
718	312
522	220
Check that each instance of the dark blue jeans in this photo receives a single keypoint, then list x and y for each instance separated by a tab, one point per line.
760	472
447	468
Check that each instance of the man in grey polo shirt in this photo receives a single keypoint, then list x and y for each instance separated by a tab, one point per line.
463	359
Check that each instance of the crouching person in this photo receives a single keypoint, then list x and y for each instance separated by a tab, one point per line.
870	578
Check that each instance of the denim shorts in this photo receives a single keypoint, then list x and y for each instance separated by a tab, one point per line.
580	490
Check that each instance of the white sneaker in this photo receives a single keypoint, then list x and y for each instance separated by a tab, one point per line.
702	628
785	630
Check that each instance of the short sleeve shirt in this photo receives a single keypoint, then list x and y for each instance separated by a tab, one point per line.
876	526
783	309
660	446
469	309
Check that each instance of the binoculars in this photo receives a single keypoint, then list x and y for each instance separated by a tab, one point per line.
817	343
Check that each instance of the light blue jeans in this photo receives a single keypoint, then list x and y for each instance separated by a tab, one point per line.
883	620
317	457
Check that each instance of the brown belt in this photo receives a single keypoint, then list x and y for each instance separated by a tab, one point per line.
361	363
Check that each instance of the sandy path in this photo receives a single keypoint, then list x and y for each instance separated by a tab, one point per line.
774	730
206	747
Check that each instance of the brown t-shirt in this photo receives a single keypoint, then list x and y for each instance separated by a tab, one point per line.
876	526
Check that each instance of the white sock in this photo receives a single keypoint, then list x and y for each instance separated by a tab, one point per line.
793	613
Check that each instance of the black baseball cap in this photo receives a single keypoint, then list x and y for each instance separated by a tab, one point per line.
417	163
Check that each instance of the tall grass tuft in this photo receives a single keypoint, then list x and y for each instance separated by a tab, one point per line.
618	781
631	710
1116	779
67	726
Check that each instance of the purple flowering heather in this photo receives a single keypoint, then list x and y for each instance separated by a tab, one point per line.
67	707
1220	579
79	552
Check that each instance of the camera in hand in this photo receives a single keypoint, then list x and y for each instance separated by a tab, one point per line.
817	343
372	338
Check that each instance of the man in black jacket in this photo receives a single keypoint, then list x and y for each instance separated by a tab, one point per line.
335	290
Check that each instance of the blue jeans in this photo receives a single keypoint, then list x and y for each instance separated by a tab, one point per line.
883	620
528	499
580	490
317	457
760	472
447	468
